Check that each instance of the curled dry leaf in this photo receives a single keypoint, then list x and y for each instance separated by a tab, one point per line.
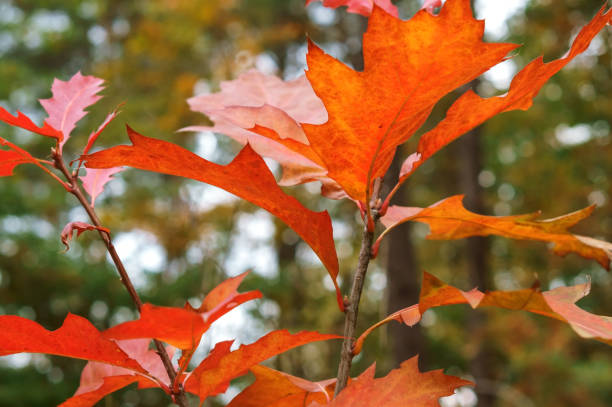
448	219
80	227
558	303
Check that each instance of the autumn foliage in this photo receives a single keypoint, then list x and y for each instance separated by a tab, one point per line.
334	125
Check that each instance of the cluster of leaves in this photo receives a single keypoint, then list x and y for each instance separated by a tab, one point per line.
316	131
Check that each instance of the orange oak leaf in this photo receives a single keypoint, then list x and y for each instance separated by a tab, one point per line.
277	389
214	374
9	159
402	387
76	338
184	327
408	67
247	176
470	110
363	7
558	303
448	219
267	113
99	379
69	101
80	227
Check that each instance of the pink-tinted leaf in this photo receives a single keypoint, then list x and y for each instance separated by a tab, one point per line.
402	387
95	180
363	7
80	227
214	374
99	379
76	338
267	113
69	101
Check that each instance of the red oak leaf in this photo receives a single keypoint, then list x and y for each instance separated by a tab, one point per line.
10	159
67	105
363	7
23	121
277	389
402	387
448	219
184	327
76	338
214	374
80	227
247	176
558	303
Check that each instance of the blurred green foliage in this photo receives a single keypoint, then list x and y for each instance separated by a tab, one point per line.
156	54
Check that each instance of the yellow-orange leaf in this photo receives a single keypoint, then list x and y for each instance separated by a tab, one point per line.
448	219
558	303
470	110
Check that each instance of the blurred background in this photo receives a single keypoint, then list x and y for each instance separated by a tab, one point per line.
180	238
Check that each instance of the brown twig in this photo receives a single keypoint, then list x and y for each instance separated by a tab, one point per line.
178	394
352	307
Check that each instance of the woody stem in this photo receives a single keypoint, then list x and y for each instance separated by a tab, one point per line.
352	307
177	393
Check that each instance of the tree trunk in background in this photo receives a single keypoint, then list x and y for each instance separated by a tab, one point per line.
477	261
402	276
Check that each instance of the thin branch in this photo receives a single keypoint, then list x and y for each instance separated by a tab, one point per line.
352	307
178	393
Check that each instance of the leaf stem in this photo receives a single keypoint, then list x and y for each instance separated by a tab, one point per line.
178	393
352	307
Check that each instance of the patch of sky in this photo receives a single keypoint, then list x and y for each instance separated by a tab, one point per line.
141	253
251	246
